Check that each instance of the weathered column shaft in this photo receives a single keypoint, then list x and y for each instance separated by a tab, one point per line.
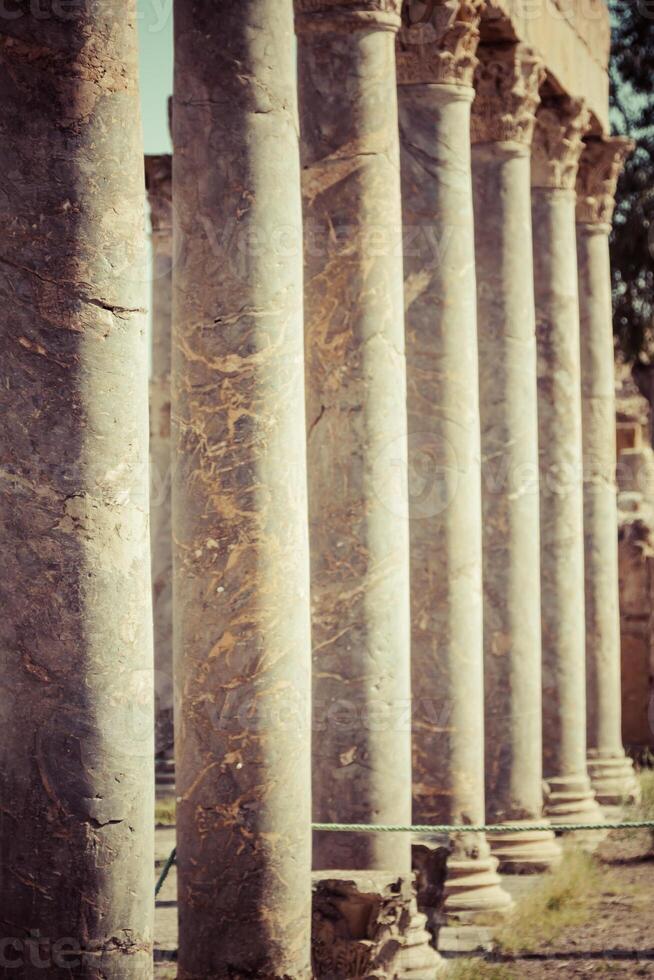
76	722
241	584
507	83
557	145
356	398
158	178
611	772
435	93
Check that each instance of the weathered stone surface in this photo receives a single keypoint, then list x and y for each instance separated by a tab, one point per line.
438	44
573	40
555	157
76	720
242	626
506	81
367	926
509	443
158	179
356	398
444	472
611	772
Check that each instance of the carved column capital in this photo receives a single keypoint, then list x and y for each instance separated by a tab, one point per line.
601	163
159	185
507	81
345	16
437	43
558	142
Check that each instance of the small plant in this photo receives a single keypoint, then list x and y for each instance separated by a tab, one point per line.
473	969
164	812
563	898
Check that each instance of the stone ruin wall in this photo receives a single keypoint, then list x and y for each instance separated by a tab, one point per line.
636	557
572	36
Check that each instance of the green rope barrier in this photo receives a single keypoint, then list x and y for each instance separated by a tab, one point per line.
498	828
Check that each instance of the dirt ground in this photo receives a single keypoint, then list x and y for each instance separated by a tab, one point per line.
618	940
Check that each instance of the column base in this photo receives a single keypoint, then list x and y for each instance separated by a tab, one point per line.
367	924
460	885
570	800
525	852
614	780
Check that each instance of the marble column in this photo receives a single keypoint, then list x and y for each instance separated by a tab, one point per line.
76	719
507	83
241	572
158	179
436	62
356	408
356	438
610	770
557	146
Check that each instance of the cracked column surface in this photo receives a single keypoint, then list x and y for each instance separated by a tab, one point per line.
356	416
241	581
557	145
76	720
507	82
436	62
611	771
158	178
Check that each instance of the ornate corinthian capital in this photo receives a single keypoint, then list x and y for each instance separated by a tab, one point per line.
344	16
159	185
437	42
558	141
507	81
601	163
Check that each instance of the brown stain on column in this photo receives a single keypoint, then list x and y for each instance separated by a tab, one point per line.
76	722
241	578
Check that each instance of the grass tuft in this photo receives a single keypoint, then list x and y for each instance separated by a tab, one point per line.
563	898
164	812
473	969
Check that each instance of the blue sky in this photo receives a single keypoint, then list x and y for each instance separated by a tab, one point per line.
155	26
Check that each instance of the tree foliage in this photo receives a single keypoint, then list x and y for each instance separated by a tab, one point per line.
632	241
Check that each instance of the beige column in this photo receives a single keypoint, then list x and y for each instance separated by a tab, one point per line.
436	62
158	179
357	431
241	583
610	770
507	82
76	719
557	146
356	407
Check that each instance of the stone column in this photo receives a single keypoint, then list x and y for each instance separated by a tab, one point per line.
436	62
356	407
557	146
610	770
356	399
507	83
241	583
158	179
76	720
